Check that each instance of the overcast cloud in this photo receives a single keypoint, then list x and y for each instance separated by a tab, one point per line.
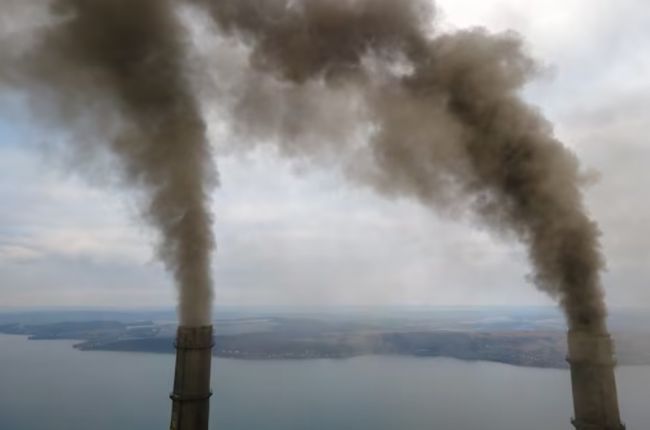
305	237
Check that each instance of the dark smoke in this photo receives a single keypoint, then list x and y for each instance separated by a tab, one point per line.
445	119
403	108
122	62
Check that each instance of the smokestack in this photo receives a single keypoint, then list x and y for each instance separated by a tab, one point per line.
592	379
191	395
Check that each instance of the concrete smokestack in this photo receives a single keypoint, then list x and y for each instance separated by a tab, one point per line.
191	395
592	378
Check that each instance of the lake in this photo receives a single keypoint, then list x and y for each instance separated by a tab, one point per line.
47	385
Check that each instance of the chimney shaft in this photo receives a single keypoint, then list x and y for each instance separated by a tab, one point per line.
191	395
595	402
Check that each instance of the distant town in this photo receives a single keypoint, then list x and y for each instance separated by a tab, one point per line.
532	337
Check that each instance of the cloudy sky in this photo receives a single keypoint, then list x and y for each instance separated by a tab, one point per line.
293	235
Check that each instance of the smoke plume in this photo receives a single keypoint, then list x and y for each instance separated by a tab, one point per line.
443	116
403	108
116	67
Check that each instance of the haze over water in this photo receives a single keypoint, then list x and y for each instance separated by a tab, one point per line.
49	385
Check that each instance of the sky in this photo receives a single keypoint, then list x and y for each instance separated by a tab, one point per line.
291	234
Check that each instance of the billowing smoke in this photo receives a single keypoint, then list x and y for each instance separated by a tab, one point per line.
443	120
371	84
116	68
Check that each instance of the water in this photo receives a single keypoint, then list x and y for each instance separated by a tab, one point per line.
49	385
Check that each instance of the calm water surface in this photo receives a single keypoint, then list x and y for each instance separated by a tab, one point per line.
49	385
